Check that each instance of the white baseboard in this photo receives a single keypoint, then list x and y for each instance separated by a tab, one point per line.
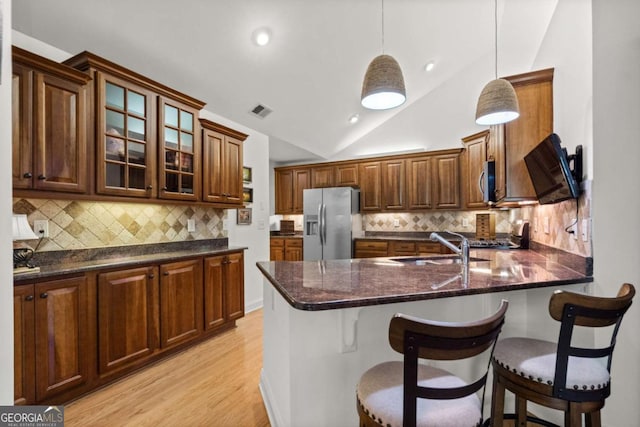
253	306
265	390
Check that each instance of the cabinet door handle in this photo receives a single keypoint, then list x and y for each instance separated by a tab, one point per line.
42	177
44	295
27	175
28	298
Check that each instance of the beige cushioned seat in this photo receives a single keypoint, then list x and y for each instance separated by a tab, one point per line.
380	395
536	360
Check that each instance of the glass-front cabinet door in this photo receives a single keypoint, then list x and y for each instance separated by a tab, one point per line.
179	143
125	147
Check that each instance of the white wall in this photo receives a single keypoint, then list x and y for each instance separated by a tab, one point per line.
616	193
6	273
255	236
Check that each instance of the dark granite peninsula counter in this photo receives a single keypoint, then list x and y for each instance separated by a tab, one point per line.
326	322
323	285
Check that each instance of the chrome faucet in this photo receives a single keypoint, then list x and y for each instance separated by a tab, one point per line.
463	250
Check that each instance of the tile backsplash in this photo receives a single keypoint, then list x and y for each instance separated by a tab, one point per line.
86	224
457	221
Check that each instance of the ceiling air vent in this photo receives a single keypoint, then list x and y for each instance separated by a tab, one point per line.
261	111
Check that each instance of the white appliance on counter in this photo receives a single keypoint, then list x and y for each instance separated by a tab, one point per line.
331	221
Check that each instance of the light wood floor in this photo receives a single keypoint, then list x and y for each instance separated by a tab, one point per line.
212	384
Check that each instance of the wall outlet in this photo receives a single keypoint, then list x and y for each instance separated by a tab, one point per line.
545	225
191	225
396	222
41	227
465	222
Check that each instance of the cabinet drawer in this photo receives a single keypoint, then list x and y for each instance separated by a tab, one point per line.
293	243
402	248
276	242
429	248
371	245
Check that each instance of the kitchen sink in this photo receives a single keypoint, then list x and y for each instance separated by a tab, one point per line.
435	260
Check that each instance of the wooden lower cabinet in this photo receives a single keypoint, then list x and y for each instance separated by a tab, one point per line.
223	289
127	317
286	249
52	339
180	302
78	333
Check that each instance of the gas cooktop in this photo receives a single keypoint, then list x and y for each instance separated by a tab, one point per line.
494	244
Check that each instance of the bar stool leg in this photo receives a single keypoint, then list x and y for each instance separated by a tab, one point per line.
521	411
592	419
497	403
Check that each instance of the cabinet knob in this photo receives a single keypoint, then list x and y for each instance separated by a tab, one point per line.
164	188
28	298
151	276
166	273
27	175
42	177
44	295
149	187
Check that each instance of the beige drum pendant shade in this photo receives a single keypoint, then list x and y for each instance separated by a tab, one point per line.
383	85
497	104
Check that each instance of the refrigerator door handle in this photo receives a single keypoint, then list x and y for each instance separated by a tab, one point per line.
320	223
324	224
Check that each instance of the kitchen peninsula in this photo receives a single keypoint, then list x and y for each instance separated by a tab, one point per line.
326	322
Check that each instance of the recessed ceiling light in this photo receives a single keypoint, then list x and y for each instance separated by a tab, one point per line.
430	66
354	119
261	36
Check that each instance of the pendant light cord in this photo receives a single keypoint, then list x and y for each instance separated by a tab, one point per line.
382	17
495	38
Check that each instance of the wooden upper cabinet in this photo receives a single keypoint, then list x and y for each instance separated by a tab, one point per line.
125	138
222	163
139	142
370	177
284	191
290	184
179	151
474	157
347	175
419	182
301	181
535	98
447	181
393	185
322	176
49	135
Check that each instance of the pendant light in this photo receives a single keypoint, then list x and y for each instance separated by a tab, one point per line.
383	86
498	102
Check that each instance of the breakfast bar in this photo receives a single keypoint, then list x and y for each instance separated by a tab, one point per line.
326	322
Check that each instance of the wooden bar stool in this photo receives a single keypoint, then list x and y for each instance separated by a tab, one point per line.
409	393
556	374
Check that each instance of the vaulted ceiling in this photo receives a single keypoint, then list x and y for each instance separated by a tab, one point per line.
311	72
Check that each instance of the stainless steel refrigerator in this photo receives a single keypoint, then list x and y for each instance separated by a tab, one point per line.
331	221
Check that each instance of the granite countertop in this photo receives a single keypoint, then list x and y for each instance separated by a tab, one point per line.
56	263
334	284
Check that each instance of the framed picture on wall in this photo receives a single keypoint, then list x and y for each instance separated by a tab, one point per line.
246	174
244	216
247	195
